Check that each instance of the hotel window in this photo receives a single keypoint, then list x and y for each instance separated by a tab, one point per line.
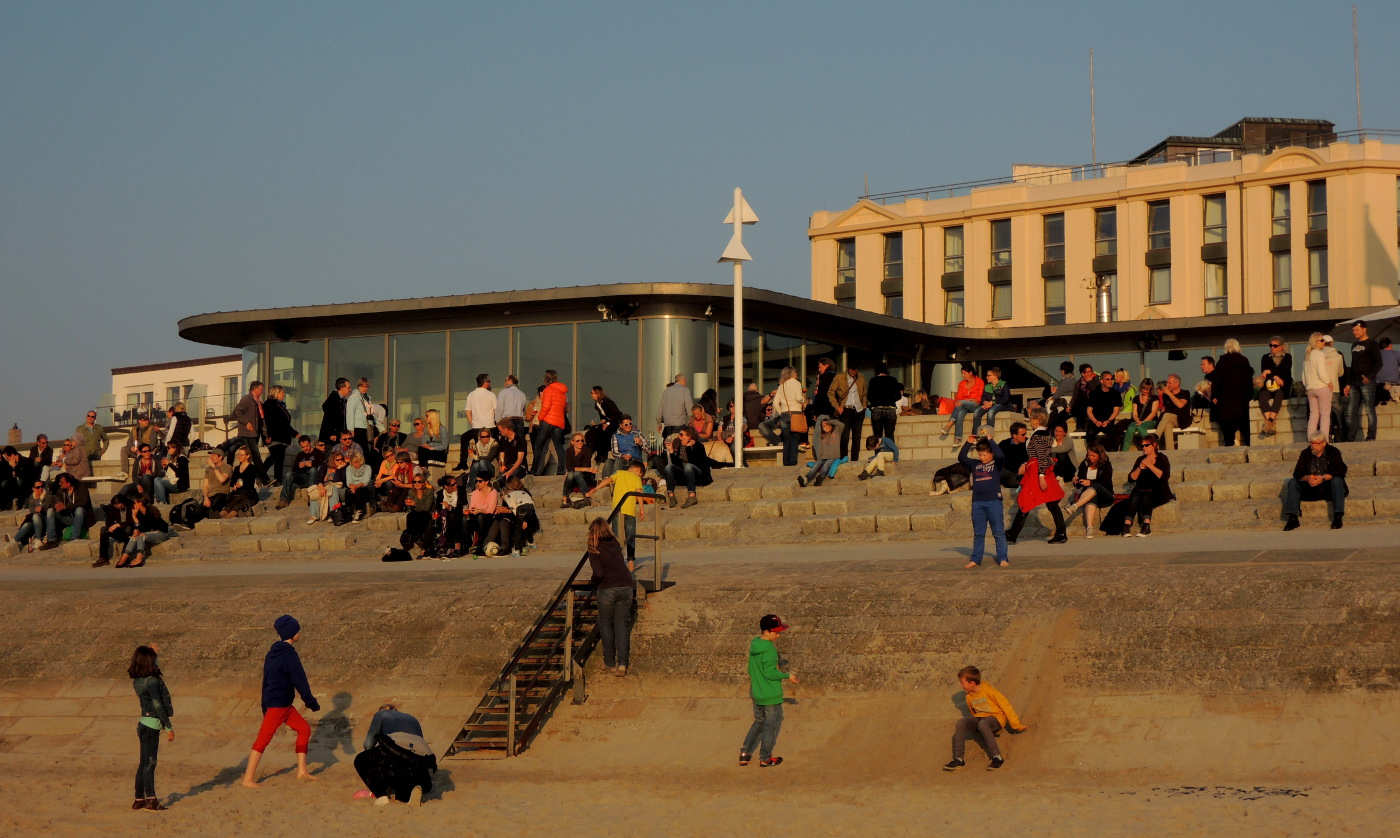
894	256
1217	299
1159	286
1054	301
845	260
1317	277
953	251
953	308
1317	205
1280	200
1106	231
1283	280
1001	302
1213	225
1054	226
231	393
1001	243
894	305
1159	225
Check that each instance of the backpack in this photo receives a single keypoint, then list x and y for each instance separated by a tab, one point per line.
341	515
188	512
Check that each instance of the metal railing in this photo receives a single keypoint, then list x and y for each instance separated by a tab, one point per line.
1095	171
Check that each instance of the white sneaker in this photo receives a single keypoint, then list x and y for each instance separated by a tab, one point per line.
311	520
382	800
415	797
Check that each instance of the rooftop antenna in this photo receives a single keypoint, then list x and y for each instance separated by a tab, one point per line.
867	185
1356	66
1093	128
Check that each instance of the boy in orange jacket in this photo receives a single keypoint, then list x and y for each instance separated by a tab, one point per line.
990	713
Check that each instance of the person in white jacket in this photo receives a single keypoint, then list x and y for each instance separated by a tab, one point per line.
788	400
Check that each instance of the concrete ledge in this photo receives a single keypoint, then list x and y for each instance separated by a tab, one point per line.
829	507
303	543
819	526
209	526
915	486
267	525
1387	468
336	540
778	491
244	544
1268	455
765	509
388	521
681	530
1264	489
1198	492
274	544
1229	491
744	494
1386	506
857	523
881	487
930	521
235	526
715	528
1199	474
81	548
796	508
1228	456
894	522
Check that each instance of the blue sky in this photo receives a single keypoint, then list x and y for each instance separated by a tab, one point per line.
166	159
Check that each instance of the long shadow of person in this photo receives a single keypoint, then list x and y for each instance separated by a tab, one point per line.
333	731
224	778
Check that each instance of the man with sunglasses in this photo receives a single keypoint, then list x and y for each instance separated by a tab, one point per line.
15	478
91	437
626	446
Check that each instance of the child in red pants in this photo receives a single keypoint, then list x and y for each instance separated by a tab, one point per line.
282	674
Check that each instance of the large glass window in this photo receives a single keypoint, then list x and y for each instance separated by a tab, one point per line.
952	250
894	305
540	348
1317	276
300	367
1106	231
607	357
1280	203
1159	286
894	256
1213	222
1159	225
475	351
1217	299
356	358
1001	243
420	376
1317	205
1283	279
252	364
1054	301
725	373
1001	302
845	260
1054	227
953	313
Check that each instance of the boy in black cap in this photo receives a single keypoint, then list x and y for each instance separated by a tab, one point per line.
766	687
282	673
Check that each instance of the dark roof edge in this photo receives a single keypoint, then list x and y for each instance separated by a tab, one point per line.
169	365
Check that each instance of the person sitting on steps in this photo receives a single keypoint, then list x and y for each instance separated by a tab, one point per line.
1319	474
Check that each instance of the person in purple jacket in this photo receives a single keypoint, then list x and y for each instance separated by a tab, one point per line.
283	674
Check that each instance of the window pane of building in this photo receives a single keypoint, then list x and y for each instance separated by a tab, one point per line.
1317	276
725	374
1054	225
1280	200
1159	225
473	352
419	382
894	255
300	367
846	260
607	356
1317	205
894	305
687	347
952	249
1214	221
356	358
1216	299
1283	280
252	364
953	308
1106	231
1159	286
1001	243
1054	301
1001	302
540	348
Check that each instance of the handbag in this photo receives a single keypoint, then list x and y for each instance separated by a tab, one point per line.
797	422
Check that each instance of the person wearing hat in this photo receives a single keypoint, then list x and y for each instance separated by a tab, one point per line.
1336	367
283	675
766	688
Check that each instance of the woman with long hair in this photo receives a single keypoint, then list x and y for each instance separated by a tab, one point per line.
156	710
433	448
1039	485
1317	380
612	576
1093	488
1142	419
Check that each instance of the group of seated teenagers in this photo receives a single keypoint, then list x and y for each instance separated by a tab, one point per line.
457	521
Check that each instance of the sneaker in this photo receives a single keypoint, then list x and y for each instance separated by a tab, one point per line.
691	501
955	765
1291	523
382	800
565	504
939	488
771	762
801	481
671	500
415	797
864	475
1337	522
311	520
1145	530
525	551
515	554
1058	538
995	763
358	516
744	758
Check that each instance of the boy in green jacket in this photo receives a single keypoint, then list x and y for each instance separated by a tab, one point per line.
766	687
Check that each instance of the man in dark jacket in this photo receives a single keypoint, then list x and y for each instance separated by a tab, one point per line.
881	396
248	415
72	506
609	416
15	479
819	404
1231	389
278	430
333	410
1361	383
306	471
1319	474
753	407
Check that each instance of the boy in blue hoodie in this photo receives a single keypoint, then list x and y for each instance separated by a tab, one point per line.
985	477
282	674
766	688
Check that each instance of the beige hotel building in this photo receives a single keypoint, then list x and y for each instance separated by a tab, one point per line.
1278	217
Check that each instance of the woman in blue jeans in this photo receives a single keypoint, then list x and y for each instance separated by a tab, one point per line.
612	576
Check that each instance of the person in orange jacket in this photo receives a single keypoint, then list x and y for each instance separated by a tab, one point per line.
554	405
966	400
991	711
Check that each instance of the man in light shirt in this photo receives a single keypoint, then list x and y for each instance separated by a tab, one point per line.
481	416
510	407
847	397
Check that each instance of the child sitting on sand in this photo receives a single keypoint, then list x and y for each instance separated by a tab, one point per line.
990	713
283	673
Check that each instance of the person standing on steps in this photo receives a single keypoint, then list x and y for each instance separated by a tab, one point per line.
612	577
1361	387
766	689
282	675
156	710
883	395
1039	484
847	397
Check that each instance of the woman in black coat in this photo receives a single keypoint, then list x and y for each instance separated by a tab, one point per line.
1231	386
1093	487
1276	369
